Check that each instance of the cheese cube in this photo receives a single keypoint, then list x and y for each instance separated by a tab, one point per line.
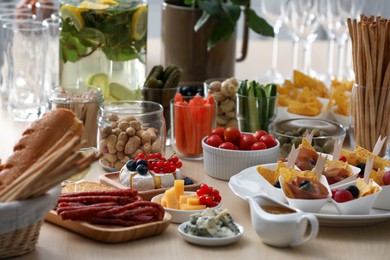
171	199
193	201
179	187
192	207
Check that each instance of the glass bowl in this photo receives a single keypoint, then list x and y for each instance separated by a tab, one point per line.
291	131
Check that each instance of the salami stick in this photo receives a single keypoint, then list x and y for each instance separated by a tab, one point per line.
98	199
123	192
129	207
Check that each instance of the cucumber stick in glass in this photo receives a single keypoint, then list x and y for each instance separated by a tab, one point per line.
260	106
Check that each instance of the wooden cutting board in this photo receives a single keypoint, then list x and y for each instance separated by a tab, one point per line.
111	234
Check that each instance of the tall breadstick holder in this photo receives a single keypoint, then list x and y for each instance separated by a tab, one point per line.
370	100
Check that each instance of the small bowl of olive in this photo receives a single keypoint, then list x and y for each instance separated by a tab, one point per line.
290	132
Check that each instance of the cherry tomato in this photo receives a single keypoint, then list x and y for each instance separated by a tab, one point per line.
218	131
228	146
246	141
386	178
232	134
258	146
259	133
343	158
269	140
214	140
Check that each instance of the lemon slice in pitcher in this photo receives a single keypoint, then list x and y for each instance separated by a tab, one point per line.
108	2
99	80
74	14
139	23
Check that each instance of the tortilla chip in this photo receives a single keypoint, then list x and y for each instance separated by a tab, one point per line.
270	175
364	188
304	109
317	87
363	154
305	144
377	176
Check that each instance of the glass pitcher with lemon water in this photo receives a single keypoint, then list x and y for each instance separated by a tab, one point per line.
103	43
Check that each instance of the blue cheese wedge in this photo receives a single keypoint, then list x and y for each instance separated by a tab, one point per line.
212	222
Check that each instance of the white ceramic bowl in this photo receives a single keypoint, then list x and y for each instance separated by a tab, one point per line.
178	216
382	201
223	164
309	205
209	241
360	206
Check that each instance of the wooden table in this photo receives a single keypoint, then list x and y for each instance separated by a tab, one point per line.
364	242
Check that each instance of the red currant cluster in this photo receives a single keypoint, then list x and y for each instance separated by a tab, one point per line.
159	164
208	196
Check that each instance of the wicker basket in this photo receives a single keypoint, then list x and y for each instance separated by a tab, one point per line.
21	221
21	241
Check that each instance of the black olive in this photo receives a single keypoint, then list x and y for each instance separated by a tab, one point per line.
277	184
131	165
142	169
353	190
188	181
362	167
306	185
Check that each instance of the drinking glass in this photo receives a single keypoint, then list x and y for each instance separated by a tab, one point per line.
4	18
301	17
334	14
162	96
46	10
190	123
369	117
273	11
25	44
53	58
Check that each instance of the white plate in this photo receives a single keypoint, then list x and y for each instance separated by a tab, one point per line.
246	183
209	241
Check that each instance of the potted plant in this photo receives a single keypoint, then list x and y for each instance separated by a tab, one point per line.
199	36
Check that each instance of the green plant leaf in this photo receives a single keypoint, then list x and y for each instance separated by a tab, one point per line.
201	21
212	7
223	30
258	24
240	2
231	11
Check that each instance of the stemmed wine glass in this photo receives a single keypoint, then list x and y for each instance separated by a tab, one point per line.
301	17
273	12
333	15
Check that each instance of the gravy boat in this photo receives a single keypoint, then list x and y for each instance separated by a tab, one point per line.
280	225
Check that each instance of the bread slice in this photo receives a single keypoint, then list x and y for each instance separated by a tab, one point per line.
86	186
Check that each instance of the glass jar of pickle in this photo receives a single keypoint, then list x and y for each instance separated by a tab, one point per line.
128	128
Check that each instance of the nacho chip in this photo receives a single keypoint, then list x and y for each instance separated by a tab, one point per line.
270	175
317	87
377	176
360	155
305	144
304	109
364	188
